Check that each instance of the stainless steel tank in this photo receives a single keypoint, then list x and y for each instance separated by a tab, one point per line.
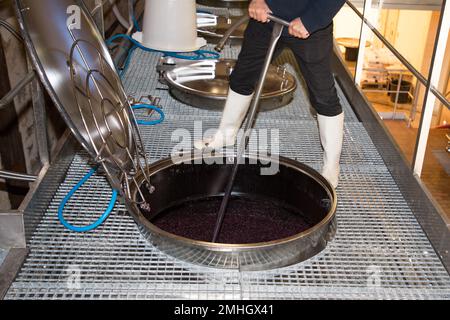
296	186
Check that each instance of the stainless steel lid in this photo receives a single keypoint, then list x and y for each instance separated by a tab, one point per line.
76	68
197	87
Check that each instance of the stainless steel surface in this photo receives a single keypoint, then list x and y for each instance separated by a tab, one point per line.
224	3
76	69
248	126
212	94
245	257
217	33
279	21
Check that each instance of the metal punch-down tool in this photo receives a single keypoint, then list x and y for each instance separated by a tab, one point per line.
251	117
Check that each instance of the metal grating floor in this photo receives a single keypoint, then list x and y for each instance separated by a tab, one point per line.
141	79
380	251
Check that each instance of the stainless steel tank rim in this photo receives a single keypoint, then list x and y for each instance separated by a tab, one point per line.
221	247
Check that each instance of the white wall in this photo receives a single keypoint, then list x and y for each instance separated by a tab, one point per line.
410	37
412	34
348	25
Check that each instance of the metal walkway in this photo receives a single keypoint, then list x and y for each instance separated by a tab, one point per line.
380	251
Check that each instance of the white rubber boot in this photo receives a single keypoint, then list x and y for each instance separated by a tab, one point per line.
236	108
332	136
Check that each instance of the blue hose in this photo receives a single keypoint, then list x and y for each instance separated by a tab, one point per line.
149	107
204	11
114	196
92	172
198	55
136	24
70	195
127	61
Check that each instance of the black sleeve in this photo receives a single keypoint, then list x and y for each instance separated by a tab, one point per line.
320	14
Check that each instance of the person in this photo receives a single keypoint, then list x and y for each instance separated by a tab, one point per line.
310	37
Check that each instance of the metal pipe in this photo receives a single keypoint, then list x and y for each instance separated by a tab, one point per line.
441	97
276	34
279	21
230	31
11	29
240	22
9	175
6	100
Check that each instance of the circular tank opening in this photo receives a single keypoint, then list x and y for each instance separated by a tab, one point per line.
264	207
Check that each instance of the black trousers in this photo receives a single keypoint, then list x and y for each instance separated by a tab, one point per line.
313	56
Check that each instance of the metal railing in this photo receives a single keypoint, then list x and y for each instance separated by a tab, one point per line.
420	77
431	82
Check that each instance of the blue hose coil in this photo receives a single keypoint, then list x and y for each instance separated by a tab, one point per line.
70	195
149	107
114	196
